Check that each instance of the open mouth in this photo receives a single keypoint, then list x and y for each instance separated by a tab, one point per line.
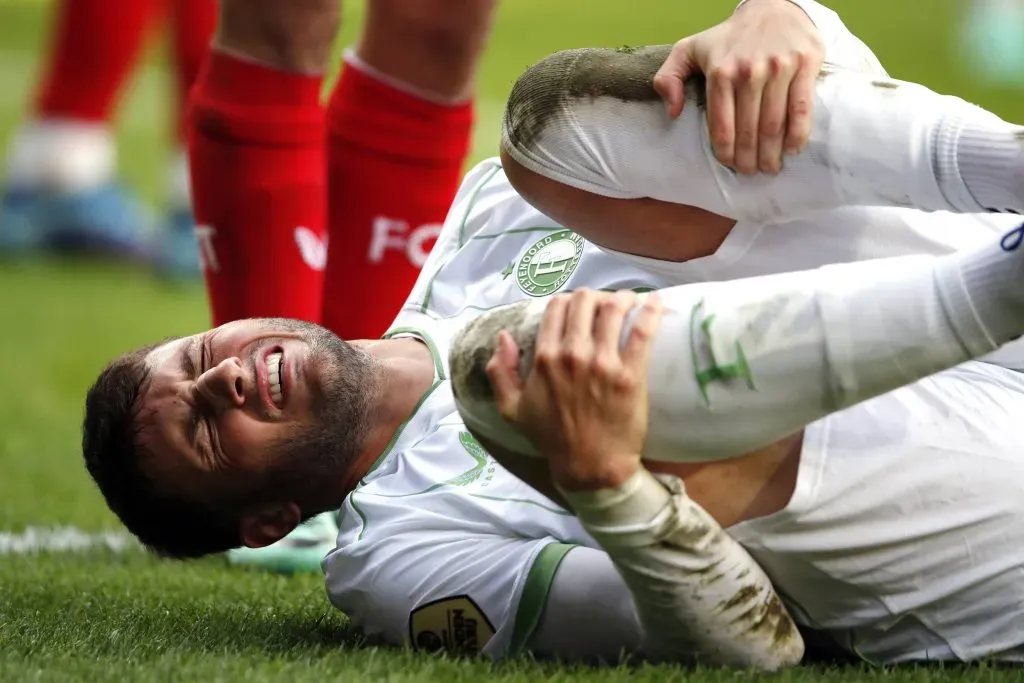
275	363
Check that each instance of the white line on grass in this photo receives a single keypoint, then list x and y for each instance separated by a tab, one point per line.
63	539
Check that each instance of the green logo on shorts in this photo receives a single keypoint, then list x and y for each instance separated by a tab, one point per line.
549	262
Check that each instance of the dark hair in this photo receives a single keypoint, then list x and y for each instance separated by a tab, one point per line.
169	525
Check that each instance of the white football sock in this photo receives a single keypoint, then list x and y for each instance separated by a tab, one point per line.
737	365
989	165
589	119
61	156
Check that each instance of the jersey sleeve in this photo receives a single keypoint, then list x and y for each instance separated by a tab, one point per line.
448	590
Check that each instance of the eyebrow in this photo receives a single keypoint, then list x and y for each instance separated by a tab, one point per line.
188	368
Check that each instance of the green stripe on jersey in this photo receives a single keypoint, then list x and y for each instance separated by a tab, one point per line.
524	501
462	229
513	231
479	459
398	432
472	201
384	454
535	595
440	378
426	339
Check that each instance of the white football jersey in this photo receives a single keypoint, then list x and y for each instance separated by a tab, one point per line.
440	547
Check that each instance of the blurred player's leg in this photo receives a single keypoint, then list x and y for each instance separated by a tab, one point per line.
192	25
256	154
61	166
399	123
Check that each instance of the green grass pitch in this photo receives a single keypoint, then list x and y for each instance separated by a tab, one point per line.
103	615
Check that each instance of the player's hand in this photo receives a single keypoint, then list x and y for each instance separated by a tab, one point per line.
761	65
584	403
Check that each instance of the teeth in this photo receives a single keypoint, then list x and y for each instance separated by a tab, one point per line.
274	376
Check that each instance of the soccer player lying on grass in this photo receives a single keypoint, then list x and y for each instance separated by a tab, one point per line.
887	518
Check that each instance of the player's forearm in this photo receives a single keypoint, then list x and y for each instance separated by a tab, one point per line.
590	120
699	596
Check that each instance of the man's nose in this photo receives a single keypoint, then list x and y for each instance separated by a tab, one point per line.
223	385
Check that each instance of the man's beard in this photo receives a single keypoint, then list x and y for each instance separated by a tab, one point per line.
317	457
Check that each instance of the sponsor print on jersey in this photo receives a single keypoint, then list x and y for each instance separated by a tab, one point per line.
548	263
454	624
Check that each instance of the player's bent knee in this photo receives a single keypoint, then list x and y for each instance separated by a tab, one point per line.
472	348
563	112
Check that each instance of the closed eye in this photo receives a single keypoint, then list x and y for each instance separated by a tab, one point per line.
193	425
194	371
206	361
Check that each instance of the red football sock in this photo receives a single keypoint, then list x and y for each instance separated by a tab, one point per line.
94	45
256	153
192	24
394	164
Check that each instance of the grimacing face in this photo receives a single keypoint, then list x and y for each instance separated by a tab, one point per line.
252	410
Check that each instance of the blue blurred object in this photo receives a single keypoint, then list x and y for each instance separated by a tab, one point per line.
177	252
106	221
993	37
18	235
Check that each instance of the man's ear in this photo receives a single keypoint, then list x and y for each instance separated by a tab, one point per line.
269	523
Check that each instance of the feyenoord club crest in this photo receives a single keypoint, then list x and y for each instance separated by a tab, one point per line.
549	262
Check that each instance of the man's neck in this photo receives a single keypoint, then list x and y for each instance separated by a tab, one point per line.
404	373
